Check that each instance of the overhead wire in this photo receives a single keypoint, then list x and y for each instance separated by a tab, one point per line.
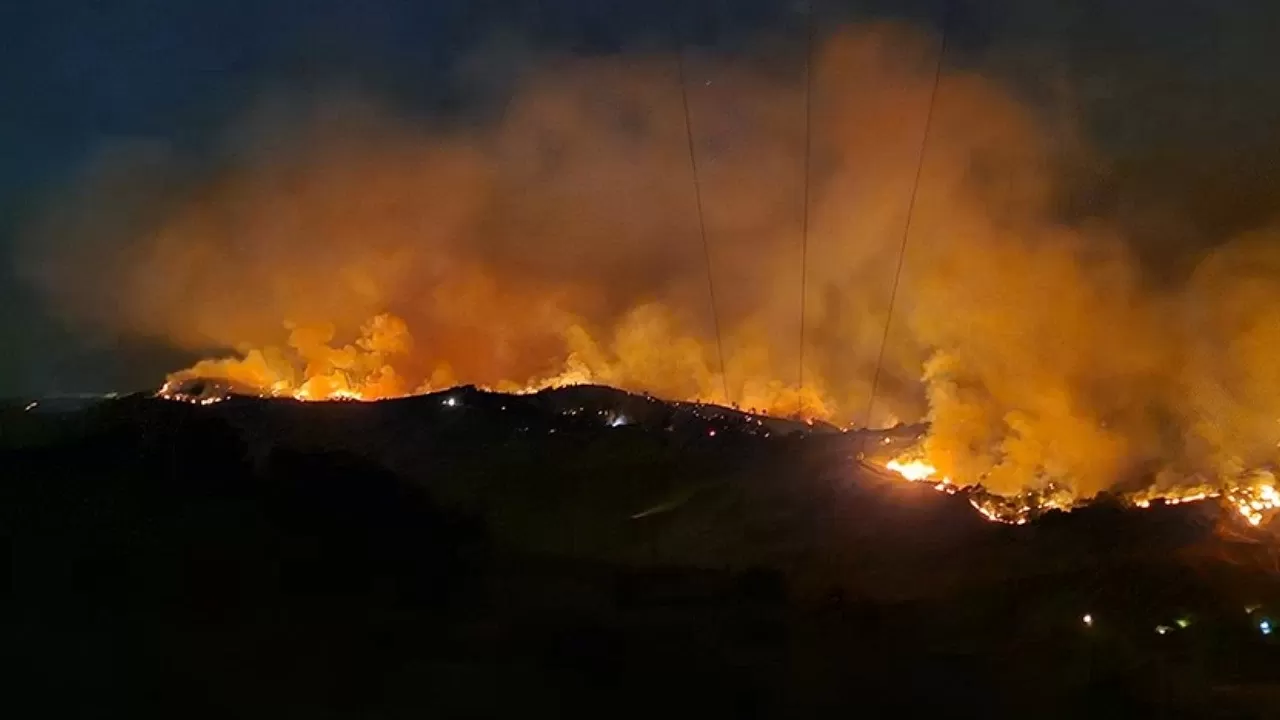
804	221
697	197
911	205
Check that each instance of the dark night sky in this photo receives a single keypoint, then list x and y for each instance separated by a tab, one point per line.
1179	96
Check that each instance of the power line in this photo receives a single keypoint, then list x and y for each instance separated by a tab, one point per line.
697	197
911	205
804	222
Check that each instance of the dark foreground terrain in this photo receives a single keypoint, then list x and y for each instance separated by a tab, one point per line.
584	553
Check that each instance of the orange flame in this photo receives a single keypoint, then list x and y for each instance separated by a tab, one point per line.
1256	498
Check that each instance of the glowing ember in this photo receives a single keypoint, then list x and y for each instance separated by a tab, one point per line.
1255	502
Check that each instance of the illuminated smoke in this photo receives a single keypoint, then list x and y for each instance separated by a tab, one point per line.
368	257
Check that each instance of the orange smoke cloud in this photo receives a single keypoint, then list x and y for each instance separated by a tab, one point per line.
370	257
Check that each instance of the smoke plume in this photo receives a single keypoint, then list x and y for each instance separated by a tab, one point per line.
343	251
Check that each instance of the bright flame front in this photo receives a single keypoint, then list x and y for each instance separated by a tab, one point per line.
914	470
1255	498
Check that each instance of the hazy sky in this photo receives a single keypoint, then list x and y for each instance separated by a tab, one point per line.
1178	98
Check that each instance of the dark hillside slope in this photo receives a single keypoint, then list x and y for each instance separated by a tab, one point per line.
500	554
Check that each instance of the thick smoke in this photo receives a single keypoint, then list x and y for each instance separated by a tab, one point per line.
350	252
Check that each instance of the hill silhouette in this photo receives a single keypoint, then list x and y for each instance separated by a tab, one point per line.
478	554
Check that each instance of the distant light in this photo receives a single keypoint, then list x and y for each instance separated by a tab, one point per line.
618	421
1163	629
1088	620
1265	627
450	402
1183	622
711	433
30	407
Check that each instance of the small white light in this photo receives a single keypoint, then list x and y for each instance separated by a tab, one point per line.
450	402
1265	627
1088	620
1163	629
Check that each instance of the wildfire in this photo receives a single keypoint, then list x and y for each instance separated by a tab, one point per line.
646	354
1255	498
1254	503
914	470
306	394
206	391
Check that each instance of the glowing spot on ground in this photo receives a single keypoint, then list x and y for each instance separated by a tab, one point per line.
914	470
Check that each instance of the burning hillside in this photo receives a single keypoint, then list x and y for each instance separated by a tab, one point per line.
369	257
1253	496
